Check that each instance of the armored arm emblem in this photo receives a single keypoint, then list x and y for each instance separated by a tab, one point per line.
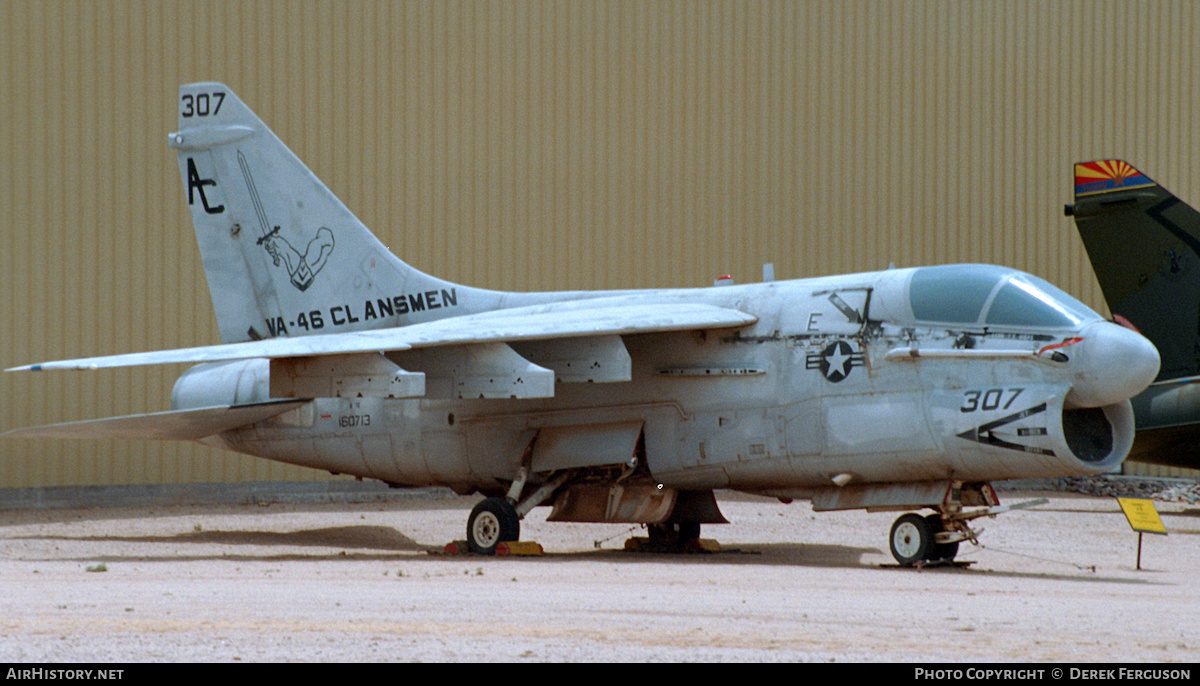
302	268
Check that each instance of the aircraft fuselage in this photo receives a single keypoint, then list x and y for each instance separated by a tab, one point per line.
836	380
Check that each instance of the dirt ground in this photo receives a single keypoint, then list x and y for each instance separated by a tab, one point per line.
349	583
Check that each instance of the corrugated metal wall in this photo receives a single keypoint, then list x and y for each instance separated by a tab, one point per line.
541	145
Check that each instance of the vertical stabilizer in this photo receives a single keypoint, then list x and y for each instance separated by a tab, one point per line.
1144	245
283	256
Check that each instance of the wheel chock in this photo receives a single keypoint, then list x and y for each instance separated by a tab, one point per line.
519	548
637	543
503	548
642	544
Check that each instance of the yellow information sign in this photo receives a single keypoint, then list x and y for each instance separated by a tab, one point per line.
1142	516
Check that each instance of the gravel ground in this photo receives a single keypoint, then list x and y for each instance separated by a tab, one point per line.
369	582
1112	486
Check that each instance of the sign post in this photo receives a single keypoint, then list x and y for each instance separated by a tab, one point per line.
1142	518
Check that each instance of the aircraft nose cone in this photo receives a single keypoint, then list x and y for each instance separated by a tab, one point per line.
1112	364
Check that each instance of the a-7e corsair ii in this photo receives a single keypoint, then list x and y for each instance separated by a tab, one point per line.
901	389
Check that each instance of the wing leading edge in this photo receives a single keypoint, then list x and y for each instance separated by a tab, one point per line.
573	319
350	353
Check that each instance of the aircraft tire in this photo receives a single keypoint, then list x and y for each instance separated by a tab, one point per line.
911	539
492	521
675	535
940	551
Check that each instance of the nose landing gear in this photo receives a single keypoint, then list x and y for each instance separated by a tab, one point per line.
917	541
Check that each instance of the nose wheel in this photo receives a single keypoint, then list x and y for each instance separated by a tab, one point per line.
914	540
911	540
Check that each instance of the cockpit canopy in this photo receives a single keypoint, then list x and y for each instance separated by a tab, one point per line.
987	295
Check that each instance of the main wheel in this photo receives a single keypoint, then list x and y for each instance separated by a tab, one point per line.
493	521
912	539
676	535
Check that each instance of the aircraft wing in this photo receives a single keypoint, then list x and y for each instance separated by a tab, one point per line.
572	319
177	425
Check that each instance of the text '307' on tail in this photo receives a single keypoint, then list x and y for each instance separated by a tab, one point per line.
282	255
1144	245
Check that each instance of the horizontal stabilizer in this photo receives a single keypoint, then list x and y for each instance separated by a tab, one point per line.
542	322
178	425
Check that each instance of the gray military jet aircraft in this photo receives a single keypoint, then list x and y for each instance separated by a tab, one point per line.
1144	245
899	390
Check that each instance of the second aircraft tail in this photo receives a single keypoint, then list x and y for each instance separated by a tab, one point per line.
1144	245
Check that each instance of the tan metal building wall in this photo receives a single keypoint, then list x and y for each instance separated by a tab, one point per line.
546	145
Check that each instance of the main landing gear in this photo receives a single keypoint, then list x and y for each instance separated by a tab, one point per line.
672	517
498	520
673	537
492	522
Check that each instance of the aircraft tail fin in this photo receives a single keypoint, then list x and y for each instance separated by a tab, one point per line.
282	254
1144	245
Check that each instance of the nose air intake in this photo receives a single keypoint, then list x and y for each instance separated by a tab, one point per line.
1112	364
1089	434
